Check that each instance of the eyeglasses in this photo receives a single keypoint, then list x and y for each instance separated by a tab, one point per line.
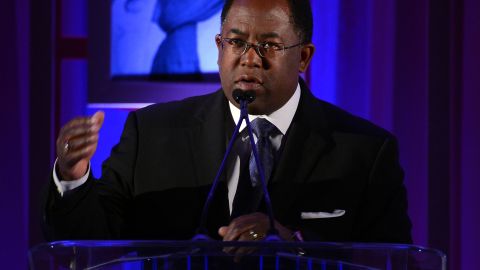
263	49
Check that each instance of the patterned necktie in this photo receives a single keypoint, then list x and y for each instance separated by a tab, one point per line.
249	192
243	202
264	130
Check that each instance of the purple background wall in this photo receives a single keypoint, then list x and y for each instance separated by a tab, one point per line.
14	95
469	187
411	66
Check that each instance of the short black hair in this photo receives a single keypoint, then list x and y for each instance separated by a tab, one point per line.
301	11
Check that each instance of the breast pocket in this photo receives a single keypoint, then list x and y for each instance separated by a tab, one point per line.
327	208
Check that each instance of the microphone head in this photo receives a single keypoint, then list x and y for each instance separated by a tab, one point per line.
239	95
250	96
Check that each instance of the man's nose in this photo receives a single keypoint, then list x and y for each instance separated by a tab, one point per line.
251	58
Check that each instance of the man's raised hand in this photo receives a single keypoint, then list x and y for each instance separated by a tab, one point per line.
76	144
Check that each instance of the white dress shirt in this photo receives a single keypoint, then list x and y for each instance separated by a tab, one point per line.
281	118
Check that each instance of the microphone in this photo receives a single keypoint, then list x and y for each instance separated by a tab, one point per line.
239	95
243	98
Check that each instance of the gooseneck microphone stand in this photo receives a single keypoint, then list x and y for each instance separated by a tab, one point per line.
243	98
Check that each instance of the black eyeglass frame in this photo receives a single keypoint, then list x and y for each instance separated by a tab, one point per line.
257	47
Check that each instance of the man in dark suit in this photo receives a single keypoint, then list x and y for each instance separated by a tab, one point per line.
335	177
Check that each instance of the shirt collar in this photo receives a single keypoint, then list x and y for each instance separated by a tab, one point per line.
281	118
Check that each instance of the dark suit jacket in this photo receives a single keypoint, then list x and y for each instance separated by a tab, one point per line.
156	180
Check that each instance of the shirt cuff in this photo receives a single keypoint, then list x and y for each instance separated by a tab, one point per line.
64	186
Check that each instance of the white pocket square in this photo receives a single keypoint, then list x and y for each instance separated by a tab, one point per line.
315	215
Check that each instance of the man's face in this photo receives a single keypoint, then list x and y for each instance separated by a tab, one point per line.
274	79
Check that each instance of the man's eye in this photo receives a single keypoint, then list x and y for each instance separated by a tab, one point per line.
271	46
236	42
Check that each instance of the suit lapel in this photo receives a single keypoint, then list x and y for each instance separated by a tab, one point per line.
208	141
205	137
306	141
303	147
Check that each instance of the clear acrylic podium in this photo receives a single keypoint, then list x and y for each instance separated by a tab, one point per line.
212	255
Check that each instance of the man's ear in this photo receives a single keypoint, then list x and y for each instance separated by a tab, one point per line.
218	42
306	56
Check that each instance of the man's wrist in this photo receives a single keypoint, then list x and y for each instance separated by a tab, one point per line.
63	185
75	173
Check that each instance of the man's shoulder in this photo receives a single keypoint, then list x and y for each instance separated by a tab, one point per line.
336	121
327	117
182	112
342	121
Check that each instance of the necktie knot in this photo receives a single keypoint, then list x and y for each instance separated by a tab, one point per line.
262	128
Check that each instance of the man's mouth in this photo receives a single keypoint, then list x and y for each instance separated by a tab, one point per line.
247	82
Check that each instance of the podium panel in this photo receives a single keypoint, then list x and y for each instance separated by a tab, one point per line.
213	255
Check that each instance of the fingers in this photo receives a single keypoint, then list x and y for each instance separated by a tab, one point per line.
98	118
81	126
249	235
79	134
250	227
76	144
81	142
256	221
74	155
222	231
238	227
